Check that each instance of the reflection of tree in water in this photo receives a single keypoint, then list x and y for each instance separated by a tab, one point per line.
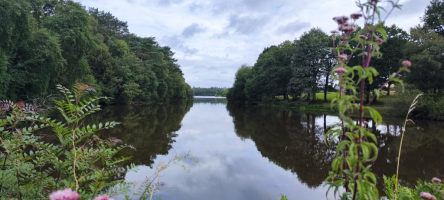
149	128
289	139
293	141
422	156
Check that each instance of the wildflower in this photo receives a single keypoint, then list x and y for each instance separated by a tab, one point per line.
426	195
66	194
363	37
334	32
365	123
103	197
341	20
436	180
343	57
355	15
406	63
379	41
340	70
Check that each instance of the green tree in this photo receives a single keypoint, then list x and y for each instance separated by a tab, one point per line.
434	17
310	57
236	94
425	51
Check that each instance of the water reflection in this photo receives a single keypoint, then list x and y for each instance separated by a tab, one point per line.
257	153
151	129
293	140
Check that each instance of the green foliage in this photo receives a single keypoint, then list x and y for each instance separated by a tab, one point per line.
312	54
355	143
212	91
425	51
45	42
236	94
434	17
75	157
434	188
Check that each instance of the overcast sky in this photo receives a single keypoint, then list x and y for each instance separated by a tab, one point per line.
213	38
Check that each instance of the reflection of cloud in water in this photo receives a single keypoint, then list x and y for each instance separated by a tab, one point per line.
260	153
228	167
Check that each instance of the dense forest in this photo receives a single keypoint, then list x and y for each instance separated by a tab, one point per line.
49	42
301	68
212	91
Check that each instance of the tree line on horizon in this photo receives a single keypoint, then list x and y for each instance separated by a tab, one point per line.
211	91
301	68
49	42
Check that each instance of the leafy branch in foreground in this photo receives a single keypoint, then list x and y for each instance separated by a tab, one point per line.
40	155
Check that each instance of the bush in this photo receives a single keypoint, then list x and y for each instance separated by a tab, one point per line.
66	154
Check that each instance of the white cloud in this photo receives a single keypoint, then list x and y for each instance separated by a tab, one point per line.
213	38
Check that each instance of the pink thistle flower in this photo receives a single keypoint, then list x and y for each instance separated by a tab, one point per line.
340	70
343	57
341	20
436	180
355	15
379	41
66	194
406	63
363	37
426	195
334	32
103	197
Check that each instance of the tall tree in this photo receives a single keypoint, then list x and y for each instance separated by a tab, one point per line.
307	62
434	17
426	53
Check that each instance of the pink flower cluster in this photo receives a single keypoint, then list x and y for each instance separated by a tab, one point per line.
406	63
426	195
436	180
68	194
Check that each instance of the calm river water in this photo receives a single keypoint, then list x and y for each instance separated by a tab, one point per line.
256	153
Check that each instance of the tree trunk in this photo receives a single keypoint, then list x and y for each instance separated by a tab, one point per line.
325	88
388	92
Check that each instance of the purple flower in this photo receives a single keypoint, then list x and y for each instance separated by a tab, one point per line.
334	32
436	180
341	20
363	37
340	70
426	195
103	197
355	15
379	41
66	194
406	63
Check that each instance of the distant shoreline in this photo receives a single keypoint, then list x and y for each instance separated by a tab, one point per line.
208	97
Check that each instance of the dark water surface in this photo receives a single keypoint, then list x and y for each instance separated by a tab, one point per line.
257	153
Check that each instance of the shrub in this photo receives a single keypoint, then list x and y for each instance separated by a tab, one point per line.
33	165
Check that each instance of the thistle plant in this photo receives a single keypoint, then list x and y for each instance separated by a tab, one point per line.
356	145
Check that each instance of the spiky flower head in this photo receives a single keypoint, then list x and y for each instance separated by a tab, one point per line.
343	57
341	19
426	195
340	70
103	197
406	63
436	180
356	16
379	41
66	194
363	37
